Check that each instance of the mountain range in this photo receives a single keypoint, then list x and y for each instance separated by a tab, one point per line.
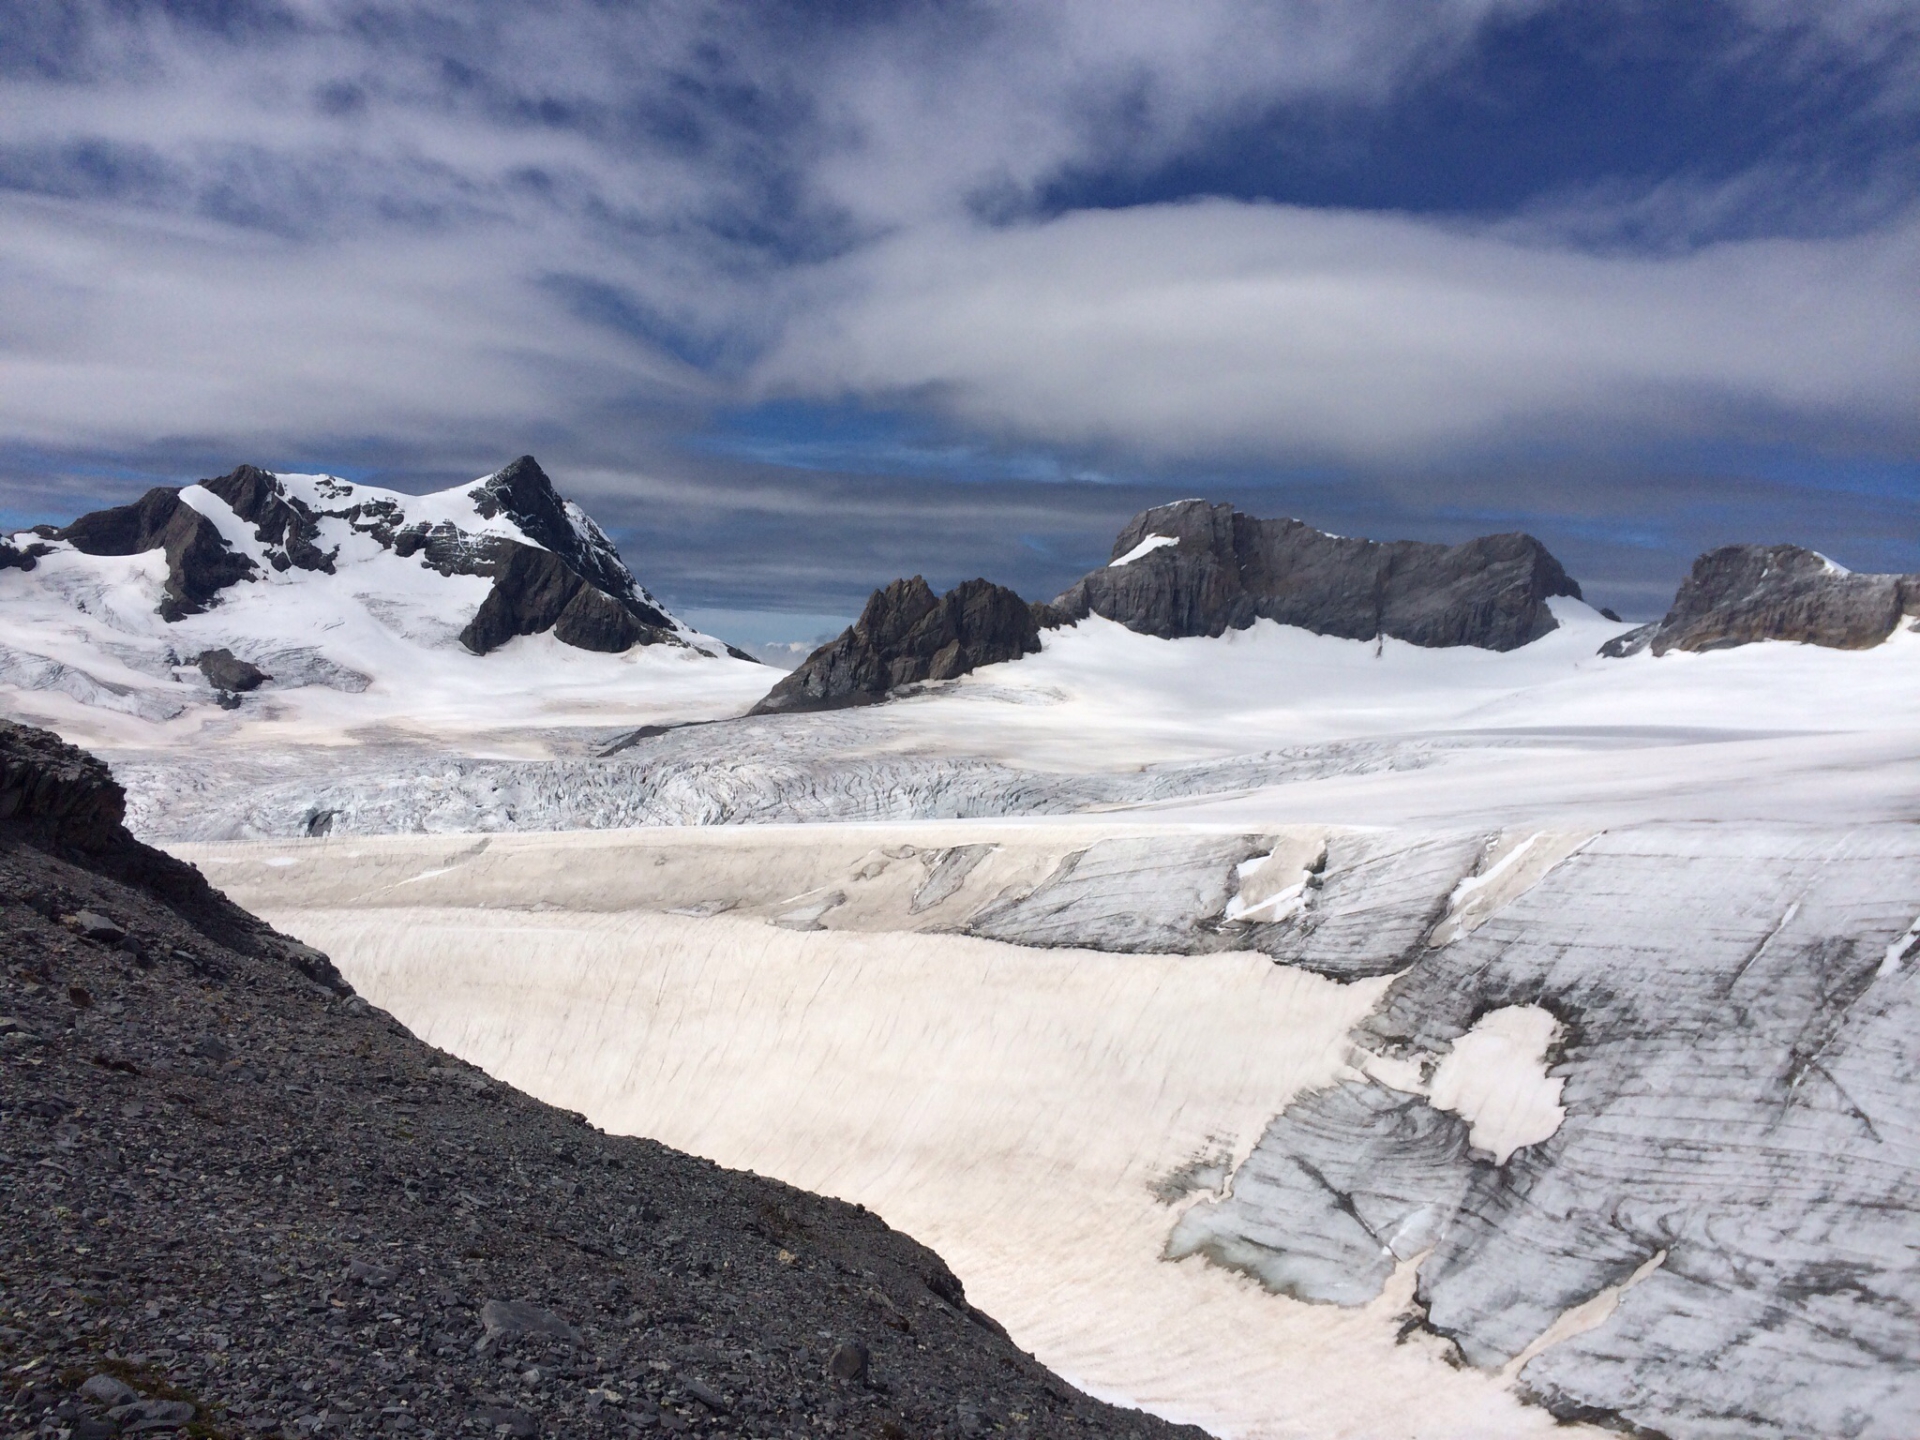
1304	984
259	592
1195	569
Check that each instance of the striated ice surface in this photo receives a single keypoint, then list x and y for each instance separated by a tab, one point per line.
1741	1083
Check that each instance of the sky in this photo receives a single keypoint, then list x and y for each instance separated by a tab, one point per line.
797	298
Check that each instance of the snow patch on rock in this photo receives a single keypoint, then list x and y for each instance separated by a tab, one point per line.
1145	547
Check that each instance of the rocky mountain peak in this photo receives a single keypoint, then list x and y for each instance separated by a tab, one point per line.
522	492
312	580
1738	594
1197	568
1196	527
907	634
554	569
285	526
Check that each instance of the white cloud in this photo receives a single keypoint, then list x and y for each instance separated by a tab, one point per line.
126	334
1219	328
379	267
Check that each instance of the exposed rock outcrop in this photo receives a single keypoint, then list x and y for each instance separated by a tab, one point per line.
56	792
200	564
1194	568
535	590
1742	593
15	557
288	529
565	574
575	586
226	671
907	634
61	799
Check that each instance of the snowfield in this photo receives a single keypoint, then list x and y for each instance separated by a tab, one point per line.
1268	724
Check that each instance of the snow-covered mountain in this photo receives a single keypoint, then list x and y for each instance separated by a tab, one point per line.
313	602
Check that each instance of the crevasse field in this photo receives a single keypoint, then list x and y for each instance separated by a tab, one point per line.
1298	1036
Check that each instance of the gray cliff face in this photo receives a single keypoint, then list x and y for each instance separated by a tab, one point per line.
1742	593
1223	570
570	581
908	634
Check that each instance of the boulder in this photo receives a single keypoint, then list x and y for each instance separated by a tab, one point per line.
1195	568
503	1318
908	634
226	671
1741	593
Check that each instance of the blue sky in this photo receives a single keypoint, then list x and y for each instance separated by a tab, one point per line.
801	297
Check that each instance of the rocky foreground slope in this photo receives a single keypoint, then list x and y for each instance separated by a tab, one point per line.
239	1201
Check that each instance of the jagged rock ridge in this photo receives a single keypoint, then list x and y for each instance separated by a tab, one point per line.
1195	568
1742	593
557	572
907	634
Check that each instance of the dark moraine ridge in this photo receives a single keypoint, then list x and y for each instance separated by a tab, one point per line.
236	1200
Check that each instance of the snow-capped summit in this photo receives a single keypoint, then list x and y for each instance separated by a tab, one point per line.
267	593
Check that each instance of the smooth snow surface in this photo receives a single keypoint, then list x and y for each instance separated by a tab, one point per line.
1495	1078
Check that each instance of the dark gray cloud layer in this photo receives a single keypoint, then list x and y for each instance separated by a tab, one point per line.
1635	276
